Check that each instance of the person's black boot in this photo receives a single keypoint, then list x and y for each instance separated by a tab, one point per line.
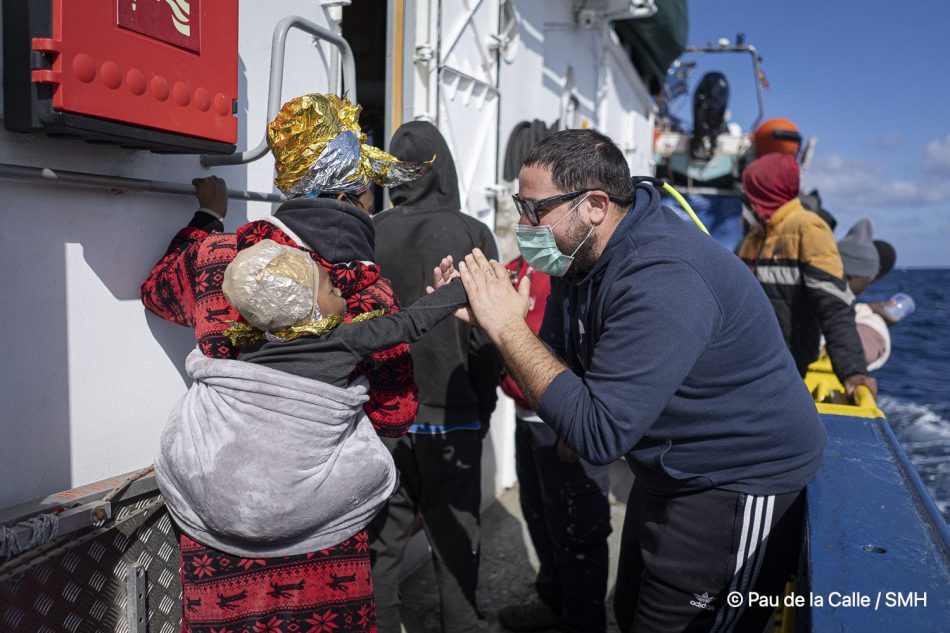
534	616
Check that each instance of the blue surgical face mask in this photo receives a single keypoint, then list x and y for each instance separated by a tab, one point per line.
540	250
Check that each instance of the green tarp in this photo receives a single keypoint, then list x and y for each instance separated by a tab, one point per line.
655	42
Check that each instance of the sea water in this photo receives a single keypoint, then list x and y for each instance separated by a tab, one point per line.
914	384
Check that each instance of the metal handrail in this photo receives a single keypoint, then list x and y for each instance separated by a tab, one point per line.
465	76
756	69
638	10
121	183
278	49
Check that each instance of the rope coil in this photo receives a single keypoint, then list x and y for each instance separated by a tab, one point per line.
39	530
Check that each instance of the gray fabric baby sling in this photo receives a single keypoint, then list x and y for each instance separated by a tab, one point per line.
261	463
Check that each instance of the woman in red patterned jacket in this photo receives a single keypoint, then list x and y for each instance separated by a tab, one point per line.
327	174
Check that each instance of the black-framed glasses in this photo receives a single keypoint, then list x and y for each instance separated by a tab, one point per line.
530	208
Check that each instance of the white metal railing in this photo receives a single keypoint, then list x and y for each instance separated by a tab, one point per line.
278	49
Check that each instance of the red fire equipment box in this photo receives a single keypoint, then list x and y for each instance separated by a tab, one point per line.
146	74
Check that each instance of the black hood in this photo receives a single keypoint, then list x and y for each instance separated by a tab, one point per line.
646	200
338	231
418	141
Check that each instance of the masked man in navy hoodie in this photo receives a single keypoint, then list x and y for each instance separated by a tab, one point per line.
660	346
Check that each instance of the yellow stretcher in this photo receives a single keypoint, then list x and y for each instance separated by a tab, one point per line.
829	394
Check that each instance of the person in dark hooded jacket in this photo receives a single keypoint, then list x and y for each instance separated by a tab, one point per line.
457	371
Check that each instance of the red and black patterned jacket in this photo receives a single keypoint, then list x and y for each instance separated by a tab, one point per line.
185	287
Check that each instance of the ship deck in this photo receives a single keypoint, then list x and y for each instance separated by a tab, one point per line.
507	570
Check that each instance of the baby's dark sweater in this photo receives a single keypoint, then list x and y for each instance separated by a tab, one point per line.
331	358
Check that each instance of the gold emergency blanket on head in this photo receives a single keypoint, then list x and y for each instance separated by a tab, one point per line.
318	147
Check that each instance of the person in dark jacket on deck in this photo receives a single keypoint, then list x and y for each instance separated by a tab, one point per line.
566	508
457	370
658	345
793	254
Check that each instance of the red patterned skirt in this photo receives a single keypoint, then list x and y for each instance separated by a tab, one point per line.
330	591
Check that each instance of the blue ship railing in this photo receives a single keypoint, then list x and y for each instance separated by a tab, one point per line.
877	550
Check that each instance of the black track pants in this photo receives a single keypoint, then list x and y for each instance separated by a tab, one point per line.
681	556
567	512
440	479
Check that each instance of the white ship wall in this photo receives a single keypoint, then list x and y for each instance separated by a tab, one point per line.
625	108
556	70
87	375
609	93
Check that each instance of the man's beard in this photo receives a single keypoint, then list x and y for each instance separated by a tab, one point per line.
585	258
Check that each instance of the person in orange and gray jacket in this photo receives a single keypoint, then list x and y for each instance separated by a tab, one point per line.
793	254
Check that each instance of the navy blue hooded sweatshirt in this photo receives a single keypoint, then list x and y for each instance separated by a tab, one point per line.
677	361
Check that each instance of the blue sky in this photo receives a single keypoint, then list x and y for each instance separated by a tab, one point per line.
871	80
